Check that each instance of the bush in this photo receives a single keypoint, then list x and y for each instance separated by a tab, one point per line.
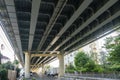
84	63
3	74
69	71
98	69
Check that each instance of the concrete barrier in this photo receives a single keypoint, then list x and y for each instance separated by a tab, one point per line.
11	75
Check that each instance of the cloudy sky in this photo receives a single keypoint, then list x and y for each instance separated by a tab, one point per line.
7	49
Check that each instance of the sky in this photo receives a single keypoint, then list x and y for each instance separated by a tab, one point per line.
7	50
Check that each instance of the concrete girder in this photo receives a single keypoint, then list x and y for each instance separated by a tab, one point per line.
15	29
59	8
33	21
104	8
96	28
78	12
99	12
46	55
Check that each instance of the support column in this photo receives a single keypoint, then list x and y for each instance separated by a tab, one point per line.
61	65
27	65
43	69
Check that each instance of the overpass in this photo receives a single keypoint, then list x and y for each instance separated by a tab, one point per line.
43	30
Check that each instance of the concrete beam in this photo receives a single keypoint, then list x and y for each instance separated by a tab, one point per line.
57	11
33	21
43	55
93	17
47	51
96	28
36	65
76	14
12	13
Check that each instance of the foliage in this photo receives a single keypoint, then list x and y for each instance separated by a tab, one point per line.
69	71
3	73
4	68
112	44
33	79
84	63
8	65
47	67
16	62
70	68
99	69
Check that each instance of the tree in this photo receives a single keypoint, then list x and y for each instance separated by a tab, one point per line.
8	65
84	63
4	68
112	44
15	62
70	68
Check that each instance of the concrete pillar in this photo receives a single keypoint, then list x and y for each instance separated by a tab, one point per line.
61	65
43	69
27	65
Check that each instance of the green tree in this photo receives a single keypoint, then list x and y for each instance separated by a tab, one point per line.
112	44
84	63
16	62
8	65
3	74
70	68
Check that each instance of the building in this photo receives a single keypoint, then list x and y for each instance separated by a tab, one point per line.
95	50
4	59
69	59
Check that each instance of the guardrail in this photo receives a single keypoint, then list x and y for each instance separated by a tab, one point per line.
114	75
84	78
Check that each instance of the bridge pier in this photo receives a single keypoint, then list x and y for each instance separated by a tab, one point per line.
61	65
27	65
61	61
43	69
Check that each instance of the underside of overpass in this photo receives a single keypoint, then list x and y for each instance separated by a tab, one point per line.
56	26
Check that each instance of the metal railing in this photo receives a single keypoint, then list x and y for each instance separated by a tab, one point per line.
84	78
92	76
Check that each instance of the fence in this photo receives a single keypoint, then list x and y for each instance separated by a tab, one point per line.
92	76
84	78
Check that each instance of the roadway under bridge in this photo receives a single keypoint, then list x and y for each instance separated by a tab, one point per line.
43	30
